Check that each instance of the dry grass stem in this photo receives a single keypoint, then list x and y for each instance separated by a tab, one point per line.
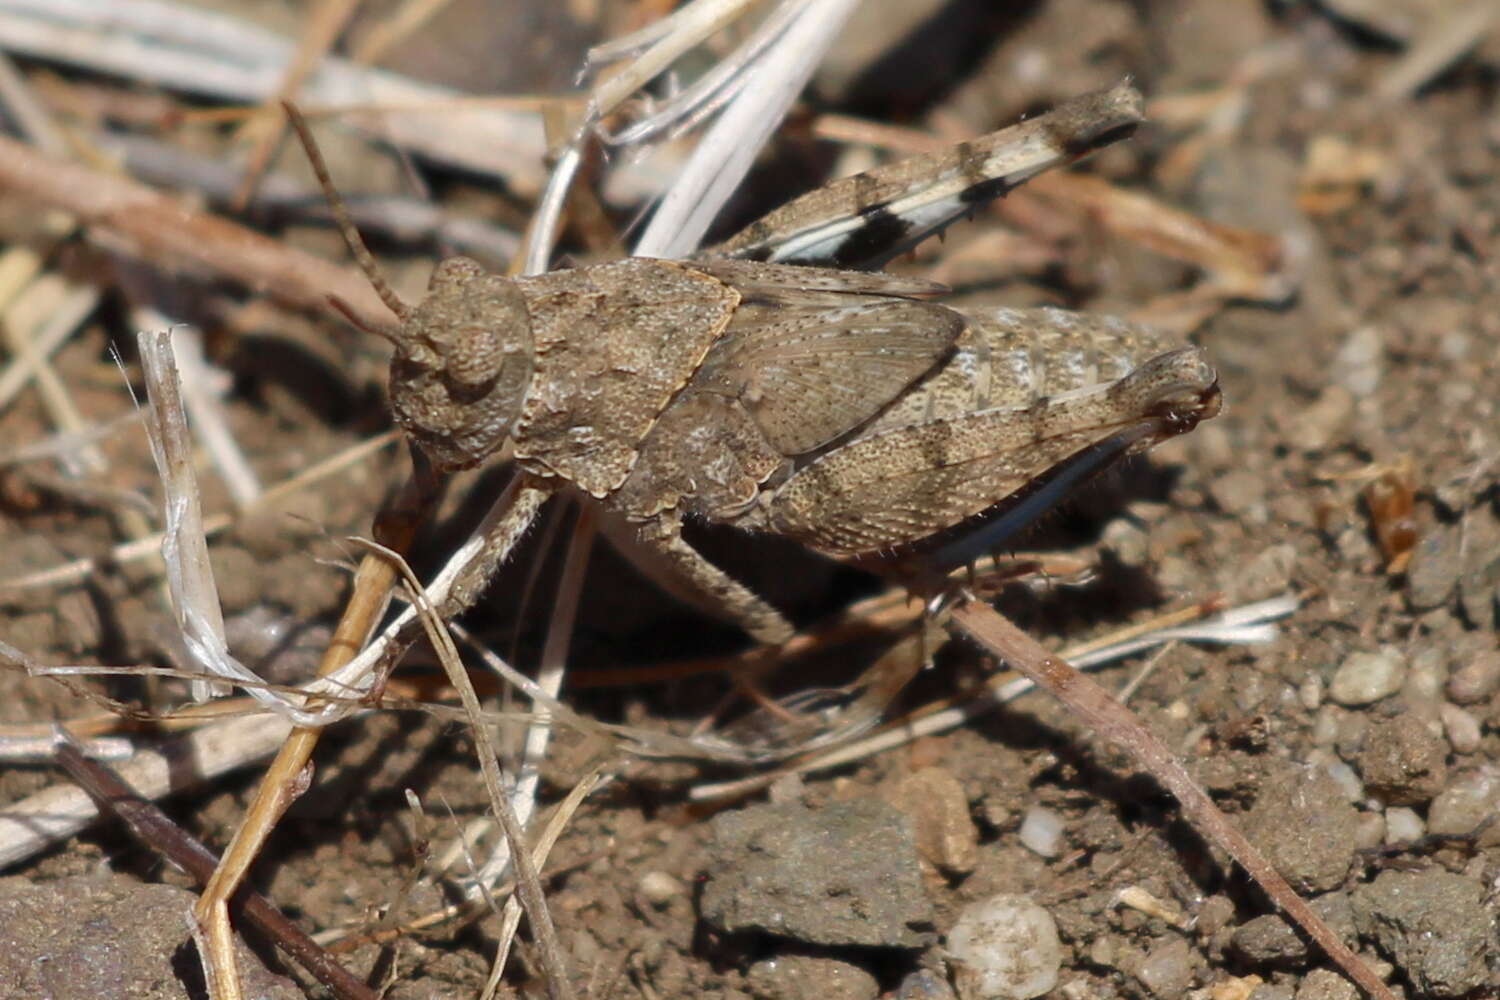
187	48
528	885
149	546
1250	624
264	130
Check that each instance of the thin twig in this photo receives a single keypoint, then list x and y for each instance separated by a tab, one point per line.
1112	721
151	827
162	230
324	25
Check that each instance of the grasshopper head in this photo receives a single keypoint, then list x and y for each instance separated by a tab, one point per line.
464	358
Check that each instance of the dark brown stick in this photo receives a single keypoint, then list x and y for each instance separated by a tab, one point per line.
150	826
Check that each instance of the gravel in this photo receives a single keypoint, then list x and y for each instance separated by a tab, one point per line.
1004	948
1365	678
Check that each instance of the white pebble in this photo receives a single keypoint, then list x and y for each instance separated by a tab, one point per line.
1369	831
1346	778
1041	831
1004	948
659	888
1402	825
1310	692
1365	678
1461	727
1359	361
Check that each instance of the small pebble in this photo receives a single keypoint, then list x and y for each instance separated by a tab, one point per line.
1042	831
1476	679
1271	991
1004	948
1310	692
1369	832
659	888
1403	825
1168	969
1347	780
924	984
1422	691
1461	728
792	977
1216	913
1237	490
1325	728
1325	984
1432	574
1359	361
1320	424
1365	678
1267	574
1469	800
939	811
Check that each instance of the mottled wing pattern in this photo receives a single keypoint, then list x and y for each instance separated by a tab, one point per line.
813	354
998	435
1016	357
864	220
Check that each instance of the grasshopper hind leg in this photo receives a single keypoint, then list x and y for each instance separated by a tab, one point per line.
689	574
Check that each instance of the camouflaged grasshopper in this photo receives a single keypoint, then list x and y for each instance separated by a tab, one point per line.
837	407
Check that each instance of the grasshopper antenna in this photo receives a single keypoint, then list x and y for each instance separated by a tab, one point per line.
343	220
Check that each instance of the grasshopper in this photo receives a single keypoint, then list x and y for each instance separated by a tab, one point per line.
842	408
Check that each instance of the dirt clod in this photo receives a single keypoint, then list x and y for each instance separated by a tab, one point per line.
1305	825
1269	940
1403	762
108	936
1435	925
1325	984
845	874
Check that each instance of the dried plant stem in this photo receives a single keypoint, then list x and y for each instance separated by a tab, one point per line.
550	676
372	583
163	231
528	884
325	22
152	827
58	812
180	46
1111	720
